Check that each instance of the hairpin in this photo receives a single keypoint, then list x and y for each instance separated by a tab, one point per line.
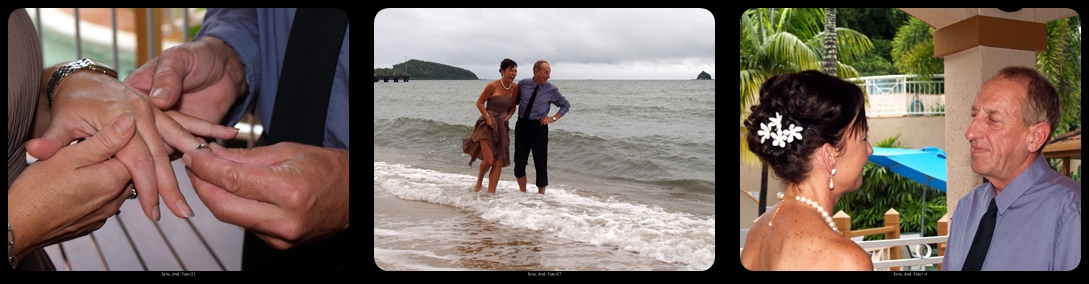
779	136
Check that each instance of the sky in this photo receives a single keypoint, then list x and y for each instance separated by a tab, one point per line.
619	44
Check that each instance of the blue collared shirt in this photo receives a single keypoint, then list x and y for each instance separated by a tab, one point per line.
547	95
259	36
1038	226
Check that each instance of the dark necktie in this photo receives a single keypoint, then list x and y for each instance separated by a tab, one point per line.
306	78
302	103
978	253
531	99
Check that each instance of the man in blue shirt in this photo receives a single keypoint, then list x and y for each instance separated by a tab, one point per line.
294	197
531	130
1027	216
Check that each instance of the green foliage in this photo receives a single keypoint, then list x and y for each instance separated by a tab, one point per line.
1061	64
775	41
194	29
882	189
913	50
1077	176
876	61
939	108
877	23
423	70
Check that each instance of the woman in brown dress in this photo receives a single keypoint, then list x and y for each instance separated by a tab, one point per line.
490	141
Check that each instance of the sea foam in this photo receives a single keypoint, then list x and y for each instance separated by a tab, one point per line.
673	237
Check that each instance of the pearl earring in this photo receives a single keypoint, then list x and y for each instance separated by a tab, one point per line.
830	184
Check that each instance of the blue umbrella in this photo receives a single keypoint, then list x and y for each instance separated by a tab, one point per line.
926	166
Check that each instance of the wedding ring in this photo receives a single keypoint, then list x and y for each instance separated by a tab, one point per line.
202	145
133	188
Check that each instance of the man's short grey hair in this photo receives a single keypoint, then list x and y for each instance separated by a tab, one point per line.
537	66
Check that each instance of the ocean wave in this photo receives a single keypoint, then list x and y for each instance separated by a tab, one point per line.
673	237
653	160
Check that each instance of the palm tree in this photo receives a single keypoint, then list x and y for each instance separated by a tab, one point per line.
913	50
829	41
776	41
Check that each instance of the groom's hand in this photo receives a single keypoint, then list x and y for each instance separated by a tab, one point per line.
547	120
287	193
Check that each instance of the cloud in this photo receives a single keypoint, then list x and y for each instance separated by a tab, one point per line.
597	43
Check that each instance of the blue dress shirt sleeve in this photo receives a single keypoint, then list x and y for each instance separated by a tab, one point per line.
1068	244
238	28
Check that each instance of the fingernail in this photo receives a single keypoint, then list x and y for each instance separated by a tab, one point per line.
188	212
124	123
155	213
188	160
236	129
159	93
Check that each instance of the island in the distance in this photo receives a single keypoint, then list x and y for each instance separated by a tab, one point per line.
423	70
703	76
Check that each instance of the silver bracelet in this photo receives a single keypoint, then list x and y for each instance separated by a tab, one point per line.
66	69
11	247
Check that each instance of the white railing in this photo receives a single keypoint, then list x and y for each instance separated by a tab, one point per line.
920	248
904	95
880	249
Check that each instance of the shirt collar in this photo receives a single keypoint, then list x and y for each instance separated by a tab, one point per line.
1021	183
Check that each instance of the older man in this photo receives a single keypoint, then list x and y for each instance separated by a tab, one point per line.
531	131
1026	216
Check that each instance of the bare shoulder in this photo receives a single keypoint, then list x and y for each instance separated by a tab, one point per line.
826	250
847	255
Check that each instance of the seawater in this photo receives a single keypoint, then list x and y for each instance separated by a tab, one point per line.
631	167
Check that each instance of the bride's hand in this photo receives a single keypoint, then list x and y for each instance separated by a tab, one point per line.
488	119
72	193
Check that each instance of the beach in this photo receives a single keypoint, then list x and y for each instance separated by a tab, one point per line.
631	182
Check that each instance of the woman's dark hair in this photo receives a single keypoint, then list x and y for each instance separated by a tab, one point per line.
822	105
507	63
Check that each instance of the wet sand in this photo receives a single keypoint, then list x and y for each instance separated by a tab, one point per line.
416	235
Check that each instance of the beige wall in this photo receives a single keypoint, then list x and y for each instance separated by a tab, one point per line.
915	131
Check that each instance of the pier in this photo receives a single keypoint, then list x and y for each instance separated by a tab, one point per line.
395	77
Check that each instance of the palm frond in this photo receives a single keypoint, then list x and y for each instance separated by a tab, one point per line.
746	156
787	48
850	44
913	50
750	88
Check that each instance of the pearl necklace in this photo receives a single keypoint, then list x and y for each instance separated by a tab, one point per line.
505	86
809	202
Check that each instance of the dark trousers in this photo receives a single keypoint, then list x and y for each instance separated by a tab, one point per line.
531	136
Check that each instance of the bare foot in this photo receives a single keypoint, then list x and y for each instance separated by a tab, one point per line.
477	188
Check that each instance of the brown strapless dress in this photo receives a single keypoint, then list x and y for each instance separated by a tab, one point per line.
498	138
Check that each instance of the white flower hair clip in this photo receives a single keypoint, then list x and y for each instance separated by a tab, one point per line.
780	137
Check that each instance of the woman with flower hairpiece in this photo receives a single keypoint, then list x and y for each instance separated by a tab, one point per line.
811	129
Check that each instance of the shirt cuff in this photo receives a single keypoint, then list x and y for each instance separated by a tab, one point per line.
248	53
